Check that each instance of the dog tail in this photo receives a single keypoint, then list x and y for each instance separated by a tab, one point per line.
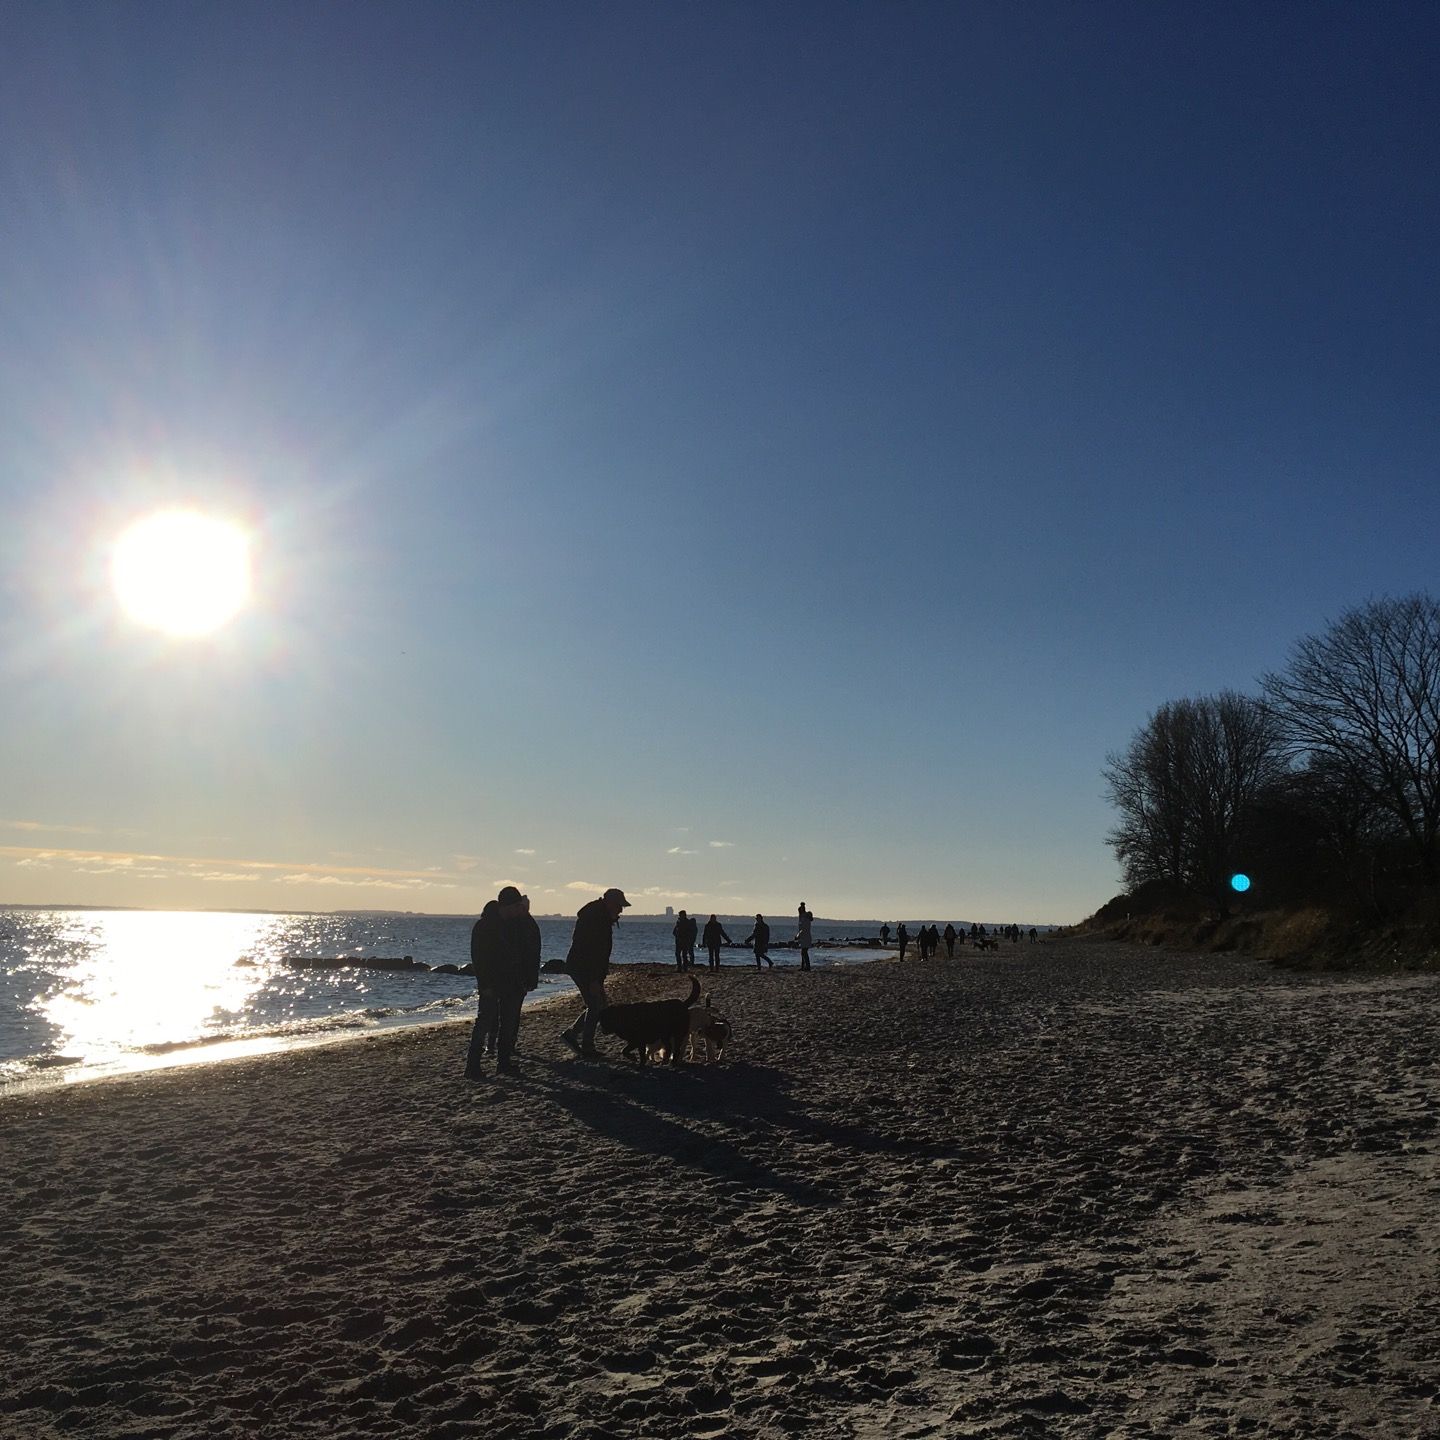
694	990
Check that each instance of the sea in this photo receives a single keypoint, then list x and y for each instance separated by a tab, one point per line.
90	993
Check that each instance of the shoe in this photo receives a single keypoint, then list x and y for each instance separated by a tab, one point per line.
475	1076
589	1052
504	1068
571	1041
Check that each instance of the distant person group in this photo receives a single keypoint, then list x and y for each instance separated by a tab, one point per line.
714	936
929	937
505	956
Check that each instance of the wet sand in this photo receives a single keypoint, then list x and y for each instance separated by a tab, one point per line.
1066	1189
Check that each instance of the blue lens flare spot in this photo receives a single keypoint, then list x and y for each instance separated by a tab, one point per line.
1240	883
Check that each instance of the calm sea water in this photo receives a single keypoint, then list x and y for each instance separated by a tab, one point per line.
93	992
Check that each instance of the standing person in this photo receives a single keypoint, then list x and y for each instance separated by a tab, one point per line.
802	935
934	940
684	933
949	940
505	950
484	1036
588	963
760	936
885	934
714	933
902	938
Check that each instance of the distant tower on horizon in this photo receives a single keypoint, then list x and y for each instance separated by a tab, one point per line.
669	912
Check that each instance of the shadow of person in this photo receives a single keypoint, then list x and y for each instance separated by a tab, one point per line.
621	1104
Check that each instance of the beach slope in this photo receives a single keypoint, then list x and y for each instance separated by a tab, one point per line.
1066	1189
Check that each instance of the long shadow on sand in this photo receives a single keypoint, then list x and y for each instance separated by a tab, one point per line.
699	1117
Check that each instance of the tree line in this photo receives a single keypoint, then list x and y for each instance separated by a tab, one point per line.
1324	786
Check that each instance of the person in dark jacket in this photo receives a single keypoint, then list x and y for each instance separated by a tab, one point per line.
902	939
505	951
803	935
713	935
684	932
760	938
588	963
950	936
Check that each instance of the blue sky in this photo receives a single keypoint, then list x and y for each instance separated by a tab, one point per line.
742	453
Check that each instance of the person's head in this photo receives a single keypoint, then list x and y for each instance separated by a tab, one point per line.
615	902
682	915
712	919
512	902
759	919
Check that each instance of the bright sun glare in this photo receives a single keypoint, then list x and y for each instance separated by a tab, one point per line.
182	572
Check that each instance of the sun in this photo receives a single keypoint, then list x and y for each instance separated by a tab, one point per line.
182	572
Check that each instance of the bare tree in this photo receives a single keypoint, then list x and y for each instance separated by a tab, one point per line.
1187	788
1363	700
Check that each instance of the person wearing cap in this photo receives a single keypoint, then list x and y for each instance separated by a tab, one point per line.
505	951
588	963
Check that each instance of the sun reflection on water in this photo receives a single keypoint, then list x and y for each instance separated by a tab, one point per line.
142	978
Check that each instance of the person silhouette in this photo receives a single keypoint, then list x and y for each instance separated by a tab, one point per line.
588	963
713	934
949	940
684	933
902	938
802	935
760	938
505	950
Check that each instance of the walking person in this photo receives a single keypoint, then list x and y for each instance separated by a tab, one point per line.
885	934
713	934
505	950
949	940
588	963
802	935
902	938
684	933
760	937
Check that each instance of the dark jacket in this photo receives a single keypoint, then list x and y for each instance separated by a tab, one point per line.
589	957
761	936
714	934
505	952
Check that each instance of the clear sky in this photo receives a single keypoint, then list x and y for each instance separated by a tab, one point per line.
742	453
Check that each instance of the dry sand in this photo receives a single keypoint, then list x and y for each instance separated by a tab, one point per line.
1067	1190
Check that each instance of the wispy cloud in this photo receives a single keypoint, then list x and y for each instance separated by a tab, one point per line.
722	844
44	828
287	872
524	852
585	885
678	850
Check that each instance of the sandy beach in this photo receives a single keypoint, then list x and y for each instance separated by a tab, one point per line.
1069	1189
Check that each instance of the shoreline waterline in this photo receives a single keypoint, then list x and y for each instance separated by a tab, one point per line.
62	1073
